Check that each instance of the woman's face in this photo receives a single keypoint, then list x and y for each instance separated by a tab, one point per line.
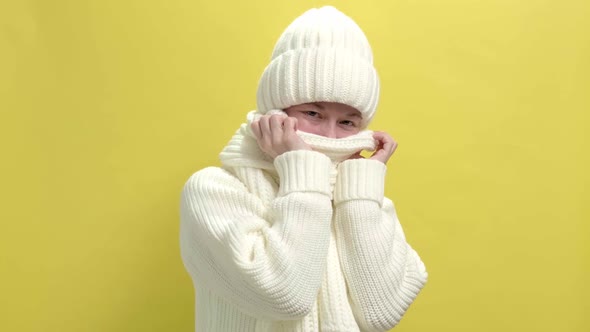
333	120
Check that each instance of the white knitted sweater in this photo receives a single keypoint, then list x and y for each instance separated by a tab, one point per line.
304	242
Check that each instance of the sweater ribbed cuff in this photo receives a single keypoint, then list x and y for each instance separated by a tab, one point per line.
360	179
303	170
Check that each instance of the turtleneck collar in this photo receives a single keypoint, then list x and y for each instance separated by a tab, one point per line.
243	150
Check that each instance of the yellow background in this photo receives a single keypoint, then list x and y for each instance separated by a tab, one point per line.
108	106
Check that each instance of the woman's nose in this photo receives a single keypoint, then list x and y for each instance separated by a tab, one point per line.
329	130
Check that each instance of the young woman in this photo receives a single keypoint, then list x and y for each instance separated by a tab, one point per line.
293	232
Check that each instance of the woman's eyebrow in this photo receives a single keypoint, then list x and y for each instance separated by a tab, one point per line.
354	114
318	105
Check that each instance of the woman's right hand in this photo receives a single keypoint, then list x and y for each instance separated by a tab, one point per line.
276	134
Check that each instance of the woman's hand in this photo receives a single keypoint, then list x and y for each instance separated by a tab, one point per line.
276	134
385	146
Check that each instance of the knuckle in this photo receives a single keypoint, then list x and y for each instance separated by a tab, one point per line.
275	118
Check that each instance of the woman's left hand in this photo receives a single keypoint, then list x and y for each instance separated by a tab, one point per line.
385	146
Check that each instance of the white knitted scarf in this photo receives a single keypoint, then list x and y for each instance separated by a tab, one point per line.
256	170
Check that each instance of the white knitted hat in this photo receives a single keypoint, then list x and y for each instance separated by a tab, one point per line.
323	55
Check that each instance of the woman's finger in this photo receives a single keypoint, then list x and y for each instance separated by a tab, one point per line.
264	127
386	145
255	126
276	128
289	126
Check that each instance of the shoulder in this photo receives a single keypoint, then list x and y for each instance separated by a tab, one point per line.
215	191
212	178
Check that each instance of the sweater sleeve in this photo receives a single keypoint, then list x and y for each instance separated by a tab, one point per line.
267	260
384	274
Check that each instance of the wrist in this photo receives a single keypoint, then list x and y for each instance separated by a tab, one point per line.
360	179
303	170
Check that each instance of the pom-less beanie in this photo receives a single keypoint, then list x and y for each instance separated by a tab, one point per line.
323	55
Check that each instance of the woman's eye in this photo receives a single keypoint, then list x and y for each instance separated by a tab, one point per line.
347	123
312	113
